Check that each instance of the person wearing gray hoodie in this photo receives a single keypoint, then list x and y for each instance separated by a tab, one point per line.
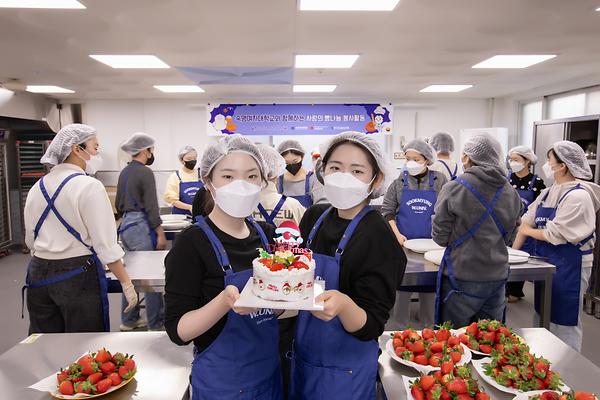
476	217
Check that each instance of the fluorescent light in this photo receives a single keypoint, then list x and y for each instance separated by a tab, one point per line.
445	88
130	61
47	89
325	61
598	9
41	4
314	88
513	61
347	5
179	88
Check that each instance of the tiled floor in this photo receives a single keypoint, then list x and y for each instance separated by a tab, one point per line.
14	329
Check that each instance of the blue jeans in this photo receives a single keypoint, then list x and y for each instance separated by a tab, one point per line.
137	238
461	310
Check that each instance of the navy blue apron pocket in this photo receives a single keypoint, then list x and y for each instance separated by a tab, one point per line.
322	383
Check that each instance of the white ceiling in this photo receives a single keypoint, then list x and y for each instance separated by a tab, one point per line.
421	42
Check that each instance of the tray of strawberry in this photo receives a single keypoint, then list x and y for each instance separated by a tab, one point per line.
94	375
428	350
485	336
554	395
513	369
452	384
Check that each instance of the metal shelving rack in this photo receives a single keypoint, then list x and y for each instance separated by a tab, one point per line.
5	227
30	170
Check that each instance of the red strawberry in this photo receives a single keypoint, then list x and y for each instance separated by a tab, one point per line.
129	363
555	396
418	347
417	393
584	396
267	262
438	375
86	358
126	373
276	267
103	385
118	359
464	339
103	356
493	326
458	386
108	368
453	341
472	329
66	387
445	394
443	334
399	350
428	333
464	396
88	368
456	356
94	378
434	361
489	337
482	396
407	355
396	342
437	347
447	367
421	359
427	382
62	375
398	335
115	378
541	367
485	348
84	387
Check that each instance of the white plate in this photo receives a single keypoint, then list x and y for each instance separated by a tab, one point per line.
478	365
421	245
435	256
526	395
175	225
424	369
173	217
250	300
518	253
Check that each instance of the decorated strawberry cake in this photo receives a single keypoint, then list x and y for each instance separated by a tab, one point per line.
286	272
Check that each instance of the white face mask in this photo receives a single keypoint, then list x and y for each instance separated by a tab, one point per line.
548	172
92	165
414	168
516	166
344	190
238	198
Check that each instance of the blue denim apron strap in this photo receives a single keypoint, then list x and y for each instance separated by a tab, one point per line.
316	226
452	174
270	218
280	185
489	207
261	233
216	244
350	231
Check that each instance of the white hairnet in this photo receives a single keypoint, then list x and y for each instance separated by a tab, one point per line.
274	161
485	150
525	152
185	150
442	142
422	148
227	145
291	144
60	147
574	157
369	143
137	142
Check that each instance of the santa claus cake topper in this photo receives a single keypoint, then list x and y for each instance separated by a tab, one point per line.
288	238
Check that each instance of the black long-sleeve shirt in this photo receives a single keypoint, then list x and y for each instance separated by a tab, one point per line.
371	265
142	188
193	277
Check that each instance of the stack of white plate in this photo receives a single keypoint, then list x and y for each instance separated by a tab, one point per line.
514	256
422	245
172	222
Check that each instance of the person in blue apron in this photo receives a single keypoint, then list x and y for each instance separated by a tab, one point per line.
69	227
274	208
408	207
140	230
521	160
443	144
183	185
562	221
476	218
235	349
335	350
296	182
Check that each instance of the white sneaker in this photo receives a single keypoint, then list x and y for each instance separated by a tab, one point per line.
139	324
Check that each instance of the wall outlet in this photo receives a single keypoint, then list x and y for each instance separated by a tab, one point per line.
399	155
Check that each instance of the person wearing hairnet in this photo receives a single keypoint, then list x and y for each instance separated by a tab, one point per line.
70	229
443	144
521	159
476	218
358	256
408	207
235	349
562	221
274	208
297	182
183	185
137	203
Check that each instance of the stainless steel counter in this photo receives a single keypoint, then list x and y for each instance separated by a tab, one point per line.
420	272
163	367
578	372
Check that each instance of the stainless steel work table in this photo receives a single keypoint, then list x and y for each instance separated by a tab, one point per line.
420	272
578	372
163	367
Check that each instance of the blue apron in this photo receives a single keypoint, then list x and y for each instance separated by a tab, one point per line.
567	259
447	259
153	236
270	218
413	218
452	174
306	198
328	362
242	363
527	197
187	192
95	261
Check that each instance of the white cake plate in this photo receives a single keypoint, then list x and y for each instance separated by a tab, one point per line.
248	299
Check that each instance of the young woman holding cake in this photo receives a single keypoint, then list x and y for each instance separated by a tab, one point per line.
236	354
356	253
